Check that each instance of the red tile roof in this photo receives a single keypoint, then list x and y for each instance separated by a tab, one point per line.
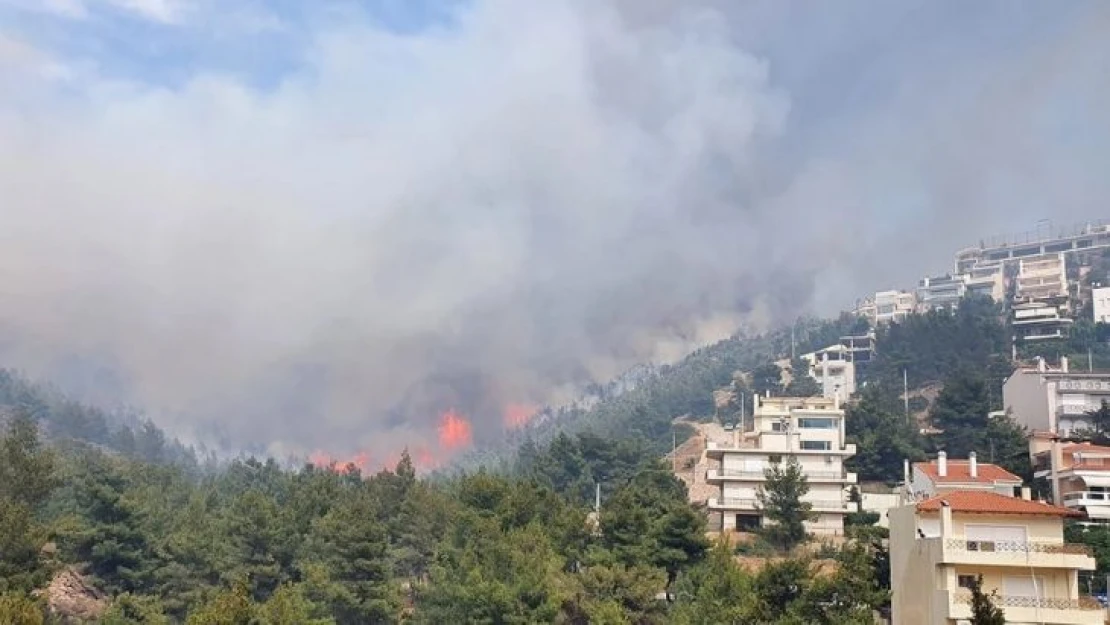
1081	447
986	502
959	471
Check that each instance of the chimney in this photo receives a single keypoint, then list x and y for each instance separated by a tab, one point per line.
1026	493
973	465
942	464
1040	364
1064	364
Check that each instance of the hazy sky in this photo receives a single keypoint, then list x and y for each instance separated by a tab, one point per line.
321	224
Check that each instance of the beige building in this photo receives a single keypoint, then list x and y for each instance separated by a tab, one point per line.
940	546
809	429
1041	278
834	371
988	280
942	475
1079	474
887	307
1100	304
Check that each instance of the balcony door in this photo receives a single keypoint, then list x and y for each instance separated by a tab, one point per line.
1023	586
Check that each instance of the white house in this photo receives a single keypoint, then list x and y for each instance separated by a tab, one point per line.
809	429
1054	400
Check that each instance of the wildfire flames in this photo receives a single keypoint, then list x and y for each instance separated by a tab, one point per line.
454	433
518	415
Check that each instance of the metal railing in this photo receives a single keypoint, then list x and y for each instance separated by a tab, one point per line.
1024	601
1015	546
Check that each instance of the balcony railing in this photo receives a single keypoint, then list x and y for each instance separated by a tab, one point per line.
1023	601
1086	495
747	503
759	475
1014	546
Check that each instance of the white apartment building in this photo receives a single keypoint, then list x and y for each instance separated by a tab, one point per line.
940	292
940	546
1041	278
1100	304
887	306
1054	400
809	429
1006	251
1040	320
833	370
942	475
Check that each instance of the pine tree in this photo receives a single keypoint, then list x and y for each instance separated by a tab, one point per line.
983	610
780	499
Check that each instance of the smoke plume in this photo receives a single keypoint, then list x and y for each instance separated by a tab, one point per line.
421	235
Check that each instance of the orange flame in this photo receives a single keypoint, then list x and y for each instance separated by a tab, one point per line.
518	415
454	431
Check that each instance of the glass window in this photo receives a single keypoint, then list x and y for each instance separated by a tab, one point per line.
965	581
817	423
817	445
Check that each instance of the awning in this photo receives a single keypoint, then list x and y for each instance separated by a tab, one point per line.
1095	479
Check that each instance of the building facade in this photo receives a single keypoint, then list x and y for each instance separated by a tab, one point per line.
808	429
1040	320
940	546
1100	304
1041	278
1054	401
834	371
940	292
1078	473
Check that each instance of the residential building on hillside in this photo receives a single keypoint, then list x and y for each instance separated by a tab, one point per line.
940	546
1041	278
1100	304
1007	251
887	306
834	371
1078	473
940	292
1040	320
809	429
940	476
1056	401
987	280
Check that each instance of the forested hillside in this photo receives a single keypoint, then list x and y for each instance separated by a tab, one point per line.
254	543
62	418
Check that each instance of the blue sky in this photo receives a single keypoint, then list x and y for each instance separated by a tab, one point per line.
509	199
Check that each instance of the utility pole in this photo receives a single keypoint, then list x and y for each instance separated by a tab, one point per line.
1090	361
674	451
792	355
906	393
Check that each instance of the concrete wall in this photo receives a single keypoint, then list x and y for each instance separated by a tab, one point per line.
1027	400
912	576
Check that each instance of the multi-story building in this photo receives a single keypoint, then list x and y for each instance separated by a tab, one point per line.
1078	473
940	292
940	546
887	307
1041	278
940	476
808	429
1040	320
1056	401
1100	304
834	371
1086	237
988	280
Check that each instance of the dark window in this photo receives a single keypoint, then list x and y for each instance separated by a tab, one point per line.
965	581
747	522
816	445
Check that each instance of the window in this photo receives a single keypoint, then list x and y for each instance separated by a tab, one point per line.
817	423
774	459
965	581
817	445
778	426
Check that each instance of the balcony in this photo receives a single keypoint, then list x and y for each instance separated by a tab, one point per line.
752	504
1087	499
1028	609
959	550
740	475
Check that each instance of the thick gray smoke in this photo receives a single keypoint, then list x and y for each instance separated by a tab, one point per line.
504	208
